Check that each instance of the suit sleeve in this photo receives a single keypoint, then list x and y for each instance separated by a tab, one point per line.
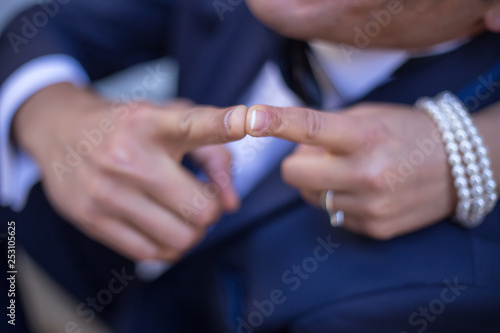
103	36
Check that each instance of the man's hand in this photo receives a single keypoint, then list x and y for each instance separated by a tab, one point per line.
129	190
385	163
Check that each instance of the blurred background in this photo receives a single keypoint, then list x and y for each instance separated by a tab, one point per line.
49	308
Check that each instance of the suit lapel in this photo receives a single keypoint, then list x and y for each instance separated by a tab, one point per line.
211	50
428	76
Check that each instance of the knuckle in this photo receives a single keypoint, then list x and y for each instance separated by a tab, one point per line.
185	241
185	124
287	170
124	159
313	125
375	209
207	215
110	156
379	231
171	255
117	153
370	177
292	171
279	120
100	191
142	255
140	118
86	212
92	226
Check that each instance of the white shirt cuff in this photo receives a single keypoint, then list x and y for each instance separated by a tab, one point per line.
18	171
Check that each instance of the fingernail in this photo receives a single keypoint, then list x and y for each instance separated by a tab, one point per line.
259	121
227	119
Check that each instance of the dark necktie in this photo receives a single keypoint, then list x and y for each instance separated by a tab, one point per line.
298	74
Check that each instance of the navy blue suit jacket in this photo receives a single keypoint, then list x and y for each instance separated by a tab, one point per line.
275	266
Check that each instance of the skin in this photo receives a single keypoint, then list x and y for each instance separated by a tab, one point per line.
420	23
128	193
131	192
352	151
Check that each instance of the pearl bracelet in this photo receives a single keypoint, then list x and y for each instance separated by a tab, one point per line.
467	156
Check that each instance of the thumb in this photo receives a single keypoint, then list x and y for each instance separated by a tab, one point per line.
215	162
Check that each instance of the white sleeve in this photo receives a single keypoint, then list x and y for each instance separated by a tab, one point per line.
18	171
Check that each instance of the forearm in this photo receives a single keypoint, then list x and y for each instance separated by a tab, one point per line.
488	124
83	30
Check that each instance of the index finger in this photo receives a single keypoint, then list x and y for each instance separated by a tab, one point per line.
203	125
333	131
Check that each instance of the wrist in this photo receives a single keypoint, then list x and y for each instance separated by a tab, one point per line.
487	123
468	158
45	123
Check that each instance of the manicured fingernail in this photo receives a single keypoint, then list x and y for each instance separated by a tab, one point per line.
259	121
227	119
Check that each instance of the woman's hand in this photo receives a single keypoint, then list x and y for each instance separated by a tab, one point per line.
385	163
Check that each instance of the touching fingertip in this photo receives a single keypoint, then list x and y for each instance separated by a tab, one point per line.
259	121
227	119
234	120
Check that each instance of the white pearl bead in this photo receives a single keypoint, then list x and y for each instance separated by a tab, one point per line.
461	135
454	159
490	186
472	169
484	163
482	151
465	146
467	122
443	126
448	136
451	148
456	125
491	202
480	202
480	205
487	174
477	140
476	180
469	158
463	193
472	130
477	191
458	170
461	182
